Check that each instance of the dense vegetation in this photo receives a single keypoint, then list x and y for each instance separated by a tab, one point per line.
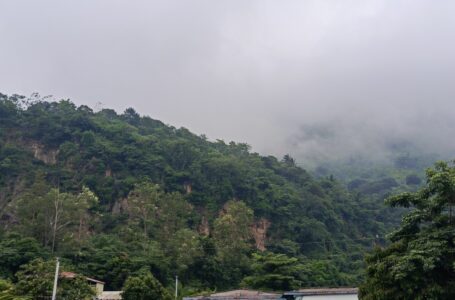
401	170
120	195
420	261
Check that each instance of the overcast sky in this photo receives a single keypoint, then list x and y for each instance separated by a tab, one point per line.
324	78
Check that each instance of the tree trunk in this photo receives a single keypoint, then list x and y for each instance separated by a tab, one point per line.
54	229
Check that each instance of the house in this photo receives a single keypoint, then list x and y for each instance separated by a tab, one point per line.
322	294
237	295
97	286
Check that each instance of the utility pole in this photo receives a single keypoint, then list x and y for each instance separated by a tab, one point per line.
176	286
54	292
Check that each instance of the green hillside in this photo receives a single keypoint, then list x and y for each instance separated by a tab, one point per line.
115	195
401	167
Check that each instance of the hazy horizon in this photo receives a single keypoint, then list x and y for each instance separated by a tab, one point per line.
316	79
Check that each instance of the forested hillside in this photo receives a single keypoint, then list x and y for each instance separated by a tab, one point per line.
403	170
115	195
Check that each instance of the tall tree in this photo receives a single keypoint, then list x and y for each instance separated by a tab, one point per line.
144	287
184	248
48	215
233	240
142	203
232	230
36	279
160	214
85	201
274	272
419	263
45	215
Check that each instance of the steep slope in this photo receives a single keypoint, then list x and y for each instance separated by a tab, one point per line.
70	147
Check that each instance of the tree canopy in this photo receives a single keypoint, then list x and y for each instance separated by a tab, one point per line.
144	287
419	263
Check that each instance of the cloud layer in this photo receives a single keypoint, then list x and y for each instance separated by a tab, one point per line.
317	79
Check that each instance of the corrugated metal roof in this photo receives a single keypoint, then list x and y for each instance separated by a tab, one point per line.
324	291
243	293
72	275
238	295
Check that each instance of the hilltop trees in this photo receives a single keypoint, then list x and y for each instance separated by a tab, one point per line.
419	264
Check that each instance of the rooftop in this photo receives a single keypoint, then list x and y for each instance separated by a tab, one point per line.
238	294
72	275
242	293
324	291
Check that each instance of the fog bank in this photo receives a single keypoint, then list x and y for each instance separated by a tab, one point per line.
317	79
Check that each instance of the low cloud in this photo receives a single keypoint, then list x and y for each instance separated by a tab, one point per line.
318	79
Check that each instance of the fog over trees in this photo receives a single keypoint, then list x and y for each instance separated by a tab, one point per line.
317	79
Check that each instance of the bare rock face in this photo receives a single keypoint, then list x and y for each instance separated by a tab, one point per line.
45	155
204	228
188	187
259	231
120	206
108	172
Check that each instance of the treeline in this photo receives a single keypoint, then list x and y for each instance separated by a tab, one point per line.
117	195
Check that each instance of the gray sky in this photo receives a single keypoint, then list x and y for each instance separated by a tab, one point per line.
312	78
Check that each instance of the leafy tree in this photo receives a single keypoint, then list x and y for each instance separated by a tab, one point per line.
47	214
36	280
142	203
231	230
159	213
419	263
274	272
232	235
31	210
15	251
144	287
85	201
172	215
75	289
7	292
105	257
184	248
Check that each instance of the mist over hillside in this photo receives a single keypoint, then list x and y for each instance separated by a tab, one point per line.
332	141
317	79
